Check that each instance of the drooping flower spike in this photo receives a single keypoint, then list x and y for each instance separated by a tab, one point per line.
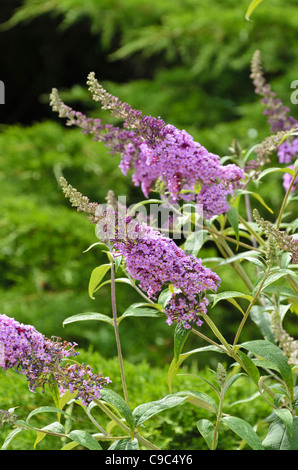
40	359
281	123
157	152
154	260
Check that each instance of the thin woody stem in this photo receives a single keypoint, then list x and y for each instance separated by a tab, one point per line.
284	203
116	329
250	307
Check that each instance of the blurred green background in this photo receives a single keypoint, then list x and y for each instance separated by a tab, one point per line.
187	61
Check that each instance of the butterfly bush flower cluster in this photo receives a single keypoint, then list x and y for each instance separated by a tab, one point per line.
153	260
279	120
156	261
157	152
29	352
281	240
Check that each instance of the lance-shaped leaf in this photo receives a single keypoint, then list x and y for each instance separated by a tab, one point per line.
232	215
85	439
229	295
142	309
207	430
244	430
252	6
145	411
96	277
117	402
88	316
272	353
279	438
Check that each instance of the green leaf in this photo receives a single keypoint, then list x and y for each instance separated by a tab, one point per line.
122	280
200	399
142	203
256	195
84	439
228	295
65	398
286	417
276	276
252	6
164	297
142	310
175	364
145	411
180	336
70	445
239	257
295	397
279	438
274	354
96	277
231	380
88	316
94	244
55	427
250	367
276	170
10	437
55	394
111	397
206	429
255	261
232	215
125	444
45	409
263	321
244	430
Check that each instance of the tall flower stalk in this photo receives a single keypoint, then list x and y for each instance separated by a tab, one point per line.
157	153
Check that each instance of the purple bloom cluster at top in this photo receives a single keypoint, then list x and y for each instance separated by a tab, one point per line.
180	163
39	359
155	261
157	153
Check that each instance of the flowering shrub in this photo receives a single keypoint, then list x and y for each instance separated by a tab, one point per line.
174	282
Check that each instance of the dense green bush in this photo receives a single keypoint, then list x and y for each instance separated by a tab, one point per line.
173	429
188	61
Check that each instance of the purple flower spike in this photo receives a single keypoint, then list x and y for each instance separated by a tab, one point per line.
39	359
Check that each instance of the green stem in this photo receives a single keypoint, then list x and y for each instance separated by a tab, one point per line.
196	332
93	420
214	232
123	426
245	317
111	415
252	231
284	202
219	414
218	334
293	283
116	329
227	252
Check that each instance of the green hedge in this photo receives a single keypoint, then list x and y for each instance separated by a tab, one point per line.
172	429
